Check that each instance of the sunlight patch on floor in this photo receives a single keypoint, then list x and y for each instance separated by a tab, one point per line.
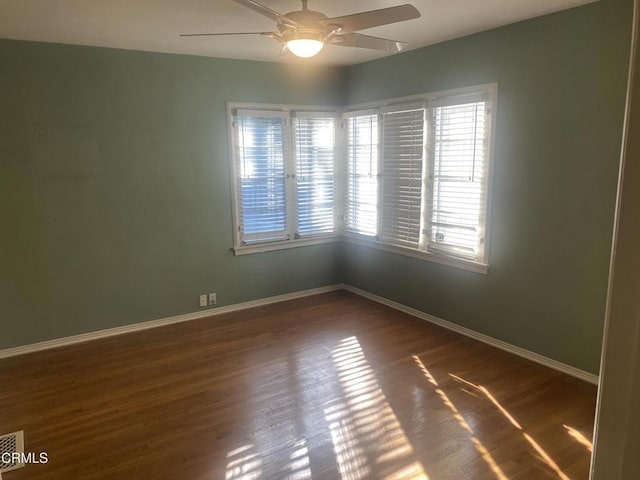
482	450
579	437
243	464
299	462
367	437
536	446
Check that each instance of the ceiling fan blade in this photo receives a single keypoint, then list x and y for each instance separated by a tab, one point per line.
365	41
267	12
373	18
266	34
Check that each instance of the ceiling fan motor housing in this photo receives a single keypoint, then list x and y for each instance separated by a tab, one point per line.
309	26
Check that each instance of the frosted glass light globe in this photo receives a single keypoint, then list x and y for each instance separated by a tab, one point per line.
304	47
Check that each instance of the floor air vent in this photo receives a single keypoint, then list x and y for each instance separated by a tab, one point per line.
12	443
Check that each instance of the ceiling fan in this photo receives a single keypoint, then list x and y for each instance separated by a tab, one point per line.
304	32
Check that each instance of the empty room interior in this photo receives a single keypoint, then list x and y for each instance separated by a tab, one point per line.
319	239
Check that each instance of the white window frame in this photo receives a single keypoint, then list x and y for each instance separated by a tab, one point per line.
288	111
490	90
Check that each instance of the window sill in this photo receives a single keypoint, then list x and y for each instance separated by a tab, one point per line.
283	245
461	263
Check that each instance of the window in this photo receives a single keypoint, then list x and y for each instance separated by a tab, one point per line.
315	139
403	176
361	212
458	178
262	185
284	169
423	190
413	175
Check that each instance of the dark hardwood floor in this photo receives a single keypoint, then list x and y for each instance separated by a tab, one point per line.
332	386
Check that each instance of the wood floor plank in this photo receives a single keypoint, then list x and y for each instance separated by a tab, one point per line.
325	387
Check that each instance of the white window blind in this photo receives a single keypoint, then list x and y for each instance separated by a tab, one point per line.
261	177
361	210
315	172
403	133
458	183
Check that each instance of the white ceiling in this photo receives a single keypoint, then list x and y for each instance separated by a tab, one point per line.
154	25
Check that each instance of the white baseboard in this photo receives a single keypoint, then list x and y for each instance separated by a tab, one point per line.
494	342
110	332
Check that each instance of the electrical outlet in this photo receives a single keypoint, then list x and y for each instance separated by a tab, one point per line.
203	300
212	299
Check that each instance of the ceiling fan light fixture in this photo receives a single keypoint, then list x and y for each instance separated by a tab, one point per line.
305	47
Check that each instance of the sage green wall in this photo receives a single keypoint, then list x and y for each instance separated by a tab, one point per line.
114	187
561	97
